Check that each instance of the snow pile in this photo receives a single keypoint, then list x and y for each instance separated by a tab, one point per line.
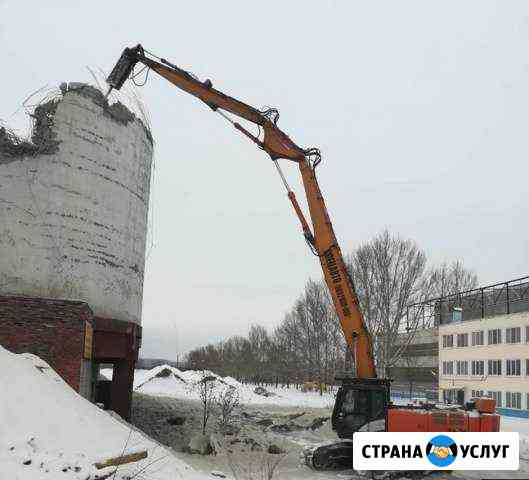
183	384
232	382
195	376
176	383
49	431
165	372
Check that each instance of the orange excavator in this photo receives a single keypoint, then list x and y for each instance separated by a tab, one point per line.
363	400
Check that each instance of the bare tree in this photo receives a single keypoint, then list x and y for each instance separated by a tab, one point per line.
387	272
259	343
449	278
206	391
227	401
412	362
308	345
259	466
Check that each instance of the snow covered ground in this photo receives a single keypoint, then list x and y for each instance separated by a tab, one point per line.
48	431
179	385
151	414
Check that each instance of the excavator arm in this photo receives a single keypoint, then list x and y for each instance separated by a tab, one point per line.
279	146
276	143
363	400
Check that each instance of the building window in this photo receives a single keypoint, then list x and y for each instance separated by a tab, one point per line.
495	336
527	336
512	335
453	396
494	367
496	396
527	401
527	370
513	368
513	400
448	368
462	339
478	367
477	393
477	338
462	367
448	341
457	315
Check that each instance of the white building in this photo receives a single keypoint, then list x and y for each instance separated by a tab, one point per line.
483	352
417	366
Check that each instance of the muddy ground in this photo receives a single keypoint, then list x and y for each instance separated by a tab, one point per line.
174	421
243	452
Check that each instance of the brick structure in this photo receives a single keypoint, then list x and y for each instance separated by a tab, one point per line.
118	342
73	342
51	329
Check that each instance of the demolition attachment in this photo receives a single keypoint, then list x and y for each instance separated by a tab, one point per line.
123	67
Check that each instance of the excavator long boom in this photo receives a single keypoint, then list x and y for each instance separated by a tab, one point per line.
278	145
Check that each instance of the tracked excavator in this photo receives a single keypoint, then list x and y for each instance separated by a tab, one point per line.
363	400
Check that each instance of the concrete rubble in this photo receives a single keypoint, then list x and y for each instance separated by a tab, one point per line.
43	138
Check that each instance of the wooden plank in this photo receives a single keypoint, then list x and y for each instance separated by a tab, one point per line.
122	460
88	341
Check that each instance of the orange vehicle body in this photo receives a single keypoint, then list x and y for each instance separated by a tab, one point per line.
485	405
439	420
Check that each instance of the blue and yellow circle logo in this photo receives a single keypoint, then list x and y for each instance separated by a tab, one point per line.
441	451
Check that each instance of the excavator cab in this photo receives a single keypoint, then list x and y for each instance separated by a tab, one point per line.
361	404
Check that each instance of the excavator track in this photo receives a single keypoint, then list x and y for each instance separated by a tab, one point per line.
339	456
329	456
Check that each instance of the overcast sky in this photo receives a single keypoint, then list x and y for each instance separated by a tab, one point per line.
421	110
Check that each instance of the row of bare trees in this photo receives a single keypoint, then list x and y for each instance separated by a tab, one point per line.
389	274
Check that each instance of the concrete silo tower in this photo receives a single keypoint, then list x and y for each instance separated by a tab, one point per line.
73	225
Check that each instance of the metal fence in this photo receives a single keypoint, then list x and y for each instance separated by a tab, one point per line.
498	299
417	394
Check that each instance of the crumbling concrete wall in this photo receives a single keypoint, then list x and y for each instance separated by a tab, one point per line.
74	204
